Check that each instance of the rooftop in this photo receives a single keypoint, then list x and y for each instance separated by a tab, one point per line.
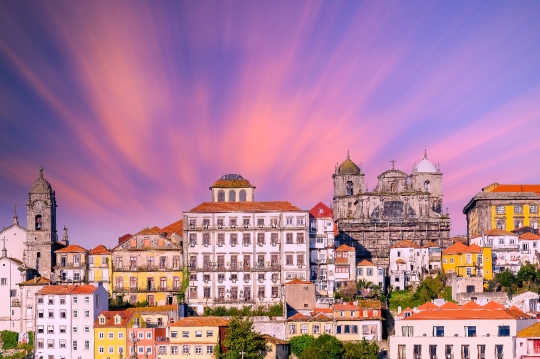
67	289
321	211
458	247
406	243
125	317
72	248
498	232
365	263
201	322
344	248
298	281
529	236
232	181
101	249
37	281
176	227
495	187
225	207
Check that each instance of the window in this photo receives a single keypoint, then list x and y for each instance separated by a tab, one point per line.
63	314
185	349
504	331
185	334
206	292
221	196
51	314
359	271
417	351
174	350
74	345
111	350
518	209
534	208
500	209
316	328
87	314
111	335
198	334
433	351
470	331
407	331
469	271
499	352
370	271
62	343
292	328
232	196
401	352
62	329
209	333
209	349
465	352
242	196
481	352
451	260
438	331
101	350
198	349
120	334
101	335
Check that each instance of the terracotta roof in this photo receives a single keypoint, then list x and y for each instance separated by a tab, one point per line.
400	261
36	281
322	310
465	314
342	261
72	248
535	188
124	238
339	307
125	317
224	207
471	305
369	304
326	211
462	248
430	245
498	232
529	236
149	231
405	244
365	263
101	249
530	332
237	183
67	289
518	313
493	305
176	227
161	308
298	281
459	239
449	306
344	248
274	340
298	317
321	317
428	306
201	322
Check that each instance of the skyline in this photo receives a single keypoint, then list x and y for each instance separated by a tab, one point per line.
135	109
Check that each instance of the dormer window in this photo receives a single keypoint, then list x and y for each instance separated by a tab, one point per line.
116	320
101	320
321	210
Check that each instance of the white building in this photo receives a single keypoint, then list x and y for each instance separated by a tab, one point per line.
409	262
65	318
10	311
28	291
451	331
505	249
528	245
369	272
14	237
321	252
527	302
240	251
345	263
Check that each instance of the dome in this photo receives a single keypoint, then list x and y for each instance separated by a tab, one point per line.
232	181
425	165
348	167
41	185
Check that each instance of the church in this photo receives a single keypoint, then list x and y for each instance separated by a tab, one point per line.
401	206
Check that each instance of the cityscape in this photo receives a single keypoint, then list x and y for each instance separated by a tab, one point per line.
263	180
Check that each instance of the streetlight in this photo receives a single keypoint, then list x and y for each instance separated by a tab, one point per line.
134	340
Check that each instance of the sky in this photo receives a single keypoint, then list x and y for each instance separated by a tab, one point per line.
135	108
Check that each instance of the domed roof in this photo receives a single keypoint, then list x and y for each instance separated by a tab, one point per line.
232	181
425	165
348	167
41	185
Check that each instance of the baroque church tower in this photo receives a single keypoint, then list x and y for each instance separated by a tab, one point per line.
41	237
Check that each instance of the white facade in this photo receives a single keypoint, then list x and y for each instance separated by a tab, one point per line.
10	311
527	302
321	252
505	249
15	236
370	272
65	318
408	263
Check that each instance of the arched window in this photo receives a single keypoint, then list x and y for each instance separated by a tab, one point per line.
242	195
232	196
221	196
427	186
39	222
349	188
393	187
500	225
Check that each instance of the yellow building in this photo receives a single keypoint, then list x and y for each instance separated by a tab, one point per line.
147	267
468	261
321	322
503	206
193	336
110	332
100	267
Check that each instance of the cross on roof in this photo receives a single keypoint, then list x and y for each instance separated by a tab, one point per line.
393	161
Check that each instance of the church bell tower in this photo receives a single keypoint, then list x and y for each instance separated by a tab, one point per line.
41	234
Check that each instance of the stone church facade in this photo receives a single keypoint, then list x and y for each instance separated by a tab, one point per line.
401	206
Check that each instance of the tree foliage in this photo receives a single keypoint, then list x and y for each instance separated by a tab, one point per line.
324	347
240	338
275	310
361	350
429	289
300	343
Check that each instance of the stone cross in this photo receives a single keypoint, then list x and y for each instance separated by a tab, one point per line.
4	251
393	162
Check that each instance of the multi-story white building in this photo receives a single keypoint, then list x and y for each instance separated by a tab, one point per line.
10	311
28	291
451	331
408	262
369	272
505	249
321	251
345	263
240	251
65	318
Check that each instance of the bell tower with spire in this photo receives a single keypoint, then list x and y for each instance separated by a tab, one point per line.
41	236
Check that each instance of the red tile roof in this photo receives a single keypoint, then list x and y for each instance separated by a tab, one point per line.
125	317
67	289
406	243
466	314
430	245
224	207
36	281
344	248
101	249
201	322
427	307
400	261
237	183
369	304
457	248
493	305
298	317
273	340
471	305
326	211
365	263
529	236
535	188
73	248
124	238
176	227
498	232
449	306
340	307
149	231
298	281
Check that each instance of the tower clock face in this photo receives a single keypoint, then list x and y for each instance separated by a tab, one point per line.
39	205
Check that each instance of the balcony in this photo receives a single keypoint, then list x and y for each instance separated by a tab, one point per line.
70	265
146	268
146	289
238	268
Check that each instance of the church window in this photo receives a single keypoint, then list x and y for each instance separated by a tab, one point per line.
427	186
232	196
393	209
221	196
375	213
242	195
39	222
349	188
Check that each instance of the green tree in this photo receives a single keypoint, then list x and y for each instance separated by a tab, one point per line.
240	338
526	274
361	350
505	278
324	347
300	343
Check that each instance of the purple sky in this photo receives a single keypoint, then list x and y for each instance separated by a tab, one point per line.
135	108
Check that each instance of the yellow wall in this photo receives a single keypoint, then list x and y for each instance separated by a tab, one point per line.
118	341
509	214
142	281
192	340
298	326
457	263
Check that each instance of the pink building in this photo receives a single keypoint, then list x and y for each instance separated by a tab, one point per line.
143	341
